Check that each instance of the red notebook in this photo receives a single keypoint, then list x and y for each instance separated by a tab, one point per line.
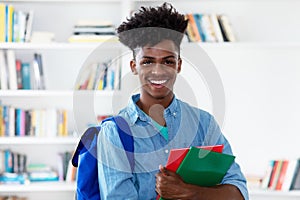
177	155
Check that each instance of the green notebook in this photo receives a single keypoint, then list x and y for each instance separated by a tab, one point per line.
204	168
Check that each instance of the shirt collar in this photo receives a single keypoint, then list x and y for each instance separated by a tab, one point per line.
134	112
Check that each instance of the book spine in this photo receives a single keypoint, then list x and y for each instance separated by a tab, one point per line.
3	71
11	64
194	28
9	23
26	78
2	22
290	173
282	175
19	74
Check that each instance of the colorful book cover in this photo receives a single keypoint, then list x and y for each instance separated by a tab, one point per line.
203	167
177	155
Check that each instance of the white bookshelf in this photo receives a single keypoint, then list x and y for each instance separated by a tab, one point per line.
260	74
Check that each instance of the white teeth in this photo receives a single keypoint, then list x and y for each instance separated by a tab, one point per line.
158	82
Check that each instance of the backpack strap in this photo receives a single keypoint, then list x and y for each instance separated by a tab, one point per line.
124	133
125	137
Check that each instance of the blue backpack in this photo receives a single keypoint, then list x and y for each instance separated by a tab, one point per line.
85	158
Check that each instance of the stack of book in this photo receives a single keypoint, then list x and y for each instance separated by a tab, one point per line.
41	172
93	31
12	167
282	175
202	166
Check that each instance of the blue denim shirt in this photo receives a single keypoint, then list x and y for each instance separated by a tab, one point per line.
187	126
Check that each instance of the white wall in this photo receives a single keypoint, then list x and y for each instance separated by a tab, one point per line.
262	90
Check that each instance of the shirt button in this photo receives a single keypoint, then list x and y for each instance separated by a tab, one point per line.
166	151
174	114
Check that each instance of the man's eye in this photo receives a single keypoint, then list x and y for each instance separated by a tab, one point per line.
146	62
170	62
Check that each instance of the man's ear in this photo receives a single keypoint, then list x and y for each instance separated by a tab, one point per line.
179	65
133	67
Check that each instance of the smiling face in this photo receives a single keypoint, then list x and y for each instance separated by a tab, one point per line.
157	67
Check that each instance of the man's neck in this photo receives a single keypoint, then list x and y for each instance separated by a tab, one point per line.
155	109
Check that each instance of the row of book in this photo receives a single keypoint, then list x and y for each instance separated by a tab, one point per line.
33	122
93	31
12	162
209	28
15	74
15	170
282	175
15	25
100	76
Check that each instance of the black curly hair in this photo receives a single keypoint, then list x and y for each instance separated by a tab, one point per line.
151	25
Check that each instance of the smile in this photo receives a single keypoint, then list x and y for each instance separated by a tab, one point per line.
158	82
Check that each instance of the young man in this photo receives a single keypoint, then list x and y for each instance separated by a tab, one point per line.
158	120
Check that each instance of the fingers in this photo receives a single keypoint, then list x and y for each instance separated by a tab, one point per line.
163	170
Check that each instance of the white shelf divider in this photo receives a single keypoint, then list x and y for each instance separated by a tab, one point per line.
28	140
54	186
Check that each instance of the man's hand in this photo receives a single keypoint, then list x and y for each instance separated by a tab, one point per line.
169	185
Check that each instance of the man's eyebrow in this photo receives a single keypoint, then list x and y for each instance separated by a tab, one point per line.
150	57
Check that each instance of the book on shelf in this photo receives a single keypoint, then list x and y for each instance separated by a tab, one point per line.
203	166
100	76
41	172
12	178
12	162
226	28
21	122
282	175
9	16
28	26
205	27
19	73
25	76
66	171
12	73
93	31
15	25
2	22
38	72
3	71
216	27
16	74
193	28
